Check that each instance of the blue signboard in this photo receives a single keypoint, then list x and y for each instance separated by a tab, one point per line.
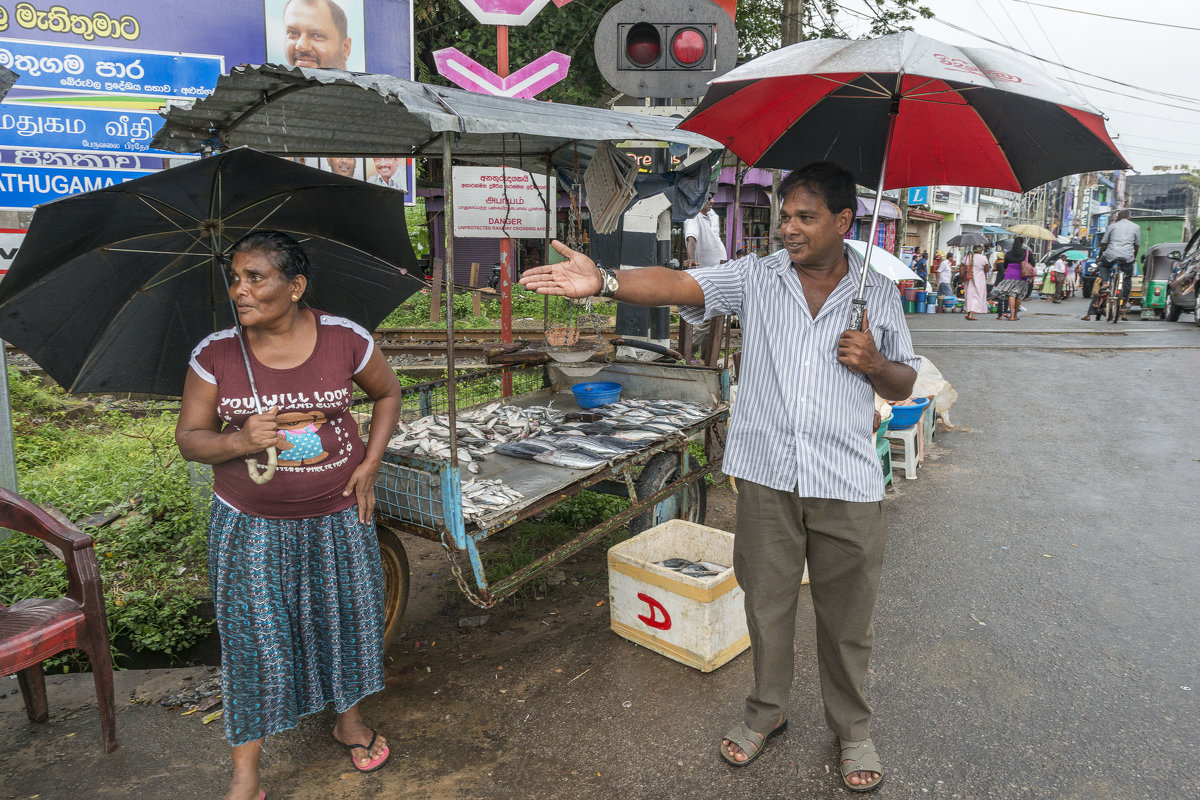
91	129
26	187
377	38
80	68
918	196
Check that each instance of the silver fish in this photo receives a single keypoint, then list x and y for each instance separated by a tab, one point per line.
571	459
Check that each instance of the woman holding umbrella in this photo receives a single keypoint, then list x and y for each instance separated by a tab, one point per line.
1015	286
293	564
974	276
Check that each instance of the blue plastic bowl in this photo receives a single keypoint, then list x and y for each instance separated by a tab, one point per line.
907	416
598	393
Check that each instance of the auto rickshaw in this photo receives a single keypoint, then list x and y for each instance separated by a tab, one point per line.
1157	270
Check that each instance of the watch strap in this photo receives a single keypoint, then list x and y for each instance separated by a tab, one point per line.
607	278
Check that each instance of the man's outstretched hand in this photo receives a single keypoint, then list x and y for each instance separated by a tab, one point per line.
575	277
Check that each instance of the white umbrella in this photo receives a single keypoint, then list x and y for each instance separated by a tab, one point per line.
884	262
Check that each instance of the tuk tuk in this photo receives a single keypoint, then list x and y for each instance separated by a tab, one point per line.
1157	271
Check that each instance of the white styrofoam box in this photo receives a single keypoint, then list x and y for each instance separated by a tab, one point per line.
700	622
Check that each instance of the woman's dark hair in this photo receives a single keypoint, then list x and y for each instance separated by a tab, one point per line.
827	179
1017	254
281	249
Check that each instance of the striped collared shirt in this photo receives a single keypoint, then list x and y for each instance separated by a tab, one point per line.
802	420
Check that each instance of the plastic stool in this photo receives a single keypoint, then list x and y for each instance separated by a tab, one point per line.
928	428
907	439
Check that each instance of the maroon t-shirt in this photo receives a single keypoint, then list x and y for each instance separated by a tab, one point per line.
323	446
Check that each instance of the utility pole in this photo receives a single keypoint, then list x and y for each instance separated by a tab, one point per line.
792	32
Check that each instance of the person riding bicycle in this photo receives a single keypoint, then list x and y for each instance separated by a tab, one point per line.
1119	248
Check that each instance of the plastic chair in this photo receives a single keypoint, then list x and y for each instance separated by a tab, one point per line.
883	449
33	630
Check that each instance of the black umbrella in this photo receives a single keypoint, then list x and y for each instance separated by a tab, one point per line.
967	240
112	289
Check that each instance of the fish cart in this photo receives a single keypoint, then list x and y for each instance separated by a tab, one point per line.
460	507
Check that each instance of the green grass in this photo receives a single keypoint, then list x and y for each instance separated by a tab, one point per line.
526	541
414	313
152	560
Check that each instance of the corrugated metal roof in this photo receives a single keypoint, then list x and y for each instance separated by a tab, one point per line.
326	112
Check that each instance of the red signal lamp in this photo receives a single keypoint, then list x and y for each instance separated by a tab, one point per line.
688	47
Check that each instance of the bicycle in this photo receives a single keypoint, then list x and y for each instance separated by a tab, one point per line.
1116	288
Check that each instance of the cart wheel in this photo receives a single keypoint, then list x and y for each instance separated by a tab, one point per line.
688	504
395	581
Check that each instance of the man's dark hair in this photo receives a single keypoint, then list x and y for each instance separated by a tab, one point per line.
281	249
1124	213
827	179
335	11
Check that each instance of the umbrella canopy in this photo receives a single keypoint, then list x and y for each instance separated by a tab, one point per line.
968	240
962	116
1033	232
884	262
113	288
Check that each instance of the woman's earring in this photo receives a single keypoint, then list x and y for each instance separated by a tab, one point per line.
295	297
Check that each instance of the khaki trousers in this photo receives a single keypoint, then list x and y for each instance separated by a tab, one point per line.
843	543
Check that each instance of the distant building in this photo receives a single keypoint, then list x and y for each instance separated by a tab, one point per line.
1163	193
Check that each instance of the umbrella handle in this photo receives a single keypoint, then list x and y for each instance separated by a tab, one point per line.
858	308
262	477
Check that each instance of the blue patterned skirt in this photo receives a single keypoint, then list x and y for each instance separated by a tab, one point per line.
300	610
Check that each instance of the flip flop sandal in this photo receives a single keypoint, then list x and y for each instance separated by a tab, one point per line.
750	742
860	757
376	763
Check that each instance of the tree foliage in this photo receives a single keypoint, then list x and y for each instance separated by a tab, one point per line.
572	28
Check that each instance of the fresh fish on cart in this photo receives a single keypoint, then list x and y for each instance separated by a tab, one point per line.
483	497
480	430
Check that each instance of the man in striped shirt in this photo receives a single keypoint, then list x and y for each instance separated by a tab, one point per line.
800	444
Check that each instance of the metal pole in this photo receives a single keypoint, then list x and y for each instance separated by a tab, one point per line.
8	458
858	307
448	221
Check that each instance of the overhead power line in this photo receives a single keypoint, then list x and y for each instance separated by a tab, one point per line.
1108	16
1169	95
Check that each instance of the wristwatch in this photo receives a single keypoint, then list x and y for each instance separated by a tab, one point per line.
608	282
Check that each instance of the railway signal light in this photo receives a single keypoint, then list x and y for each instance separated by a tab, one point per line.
665	48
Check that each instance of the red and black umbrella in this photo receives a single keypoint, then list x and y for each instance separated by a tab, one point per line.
963	116
905	110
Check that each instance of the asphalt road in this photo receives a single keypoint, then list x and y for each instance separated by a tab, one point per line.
1036	629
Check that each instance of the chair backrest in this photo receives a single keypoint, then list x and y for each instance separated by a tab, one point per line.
18	514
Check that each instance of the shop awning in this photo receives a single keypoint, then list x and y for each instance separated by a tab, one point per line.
330	112
995	230
888	210
929	216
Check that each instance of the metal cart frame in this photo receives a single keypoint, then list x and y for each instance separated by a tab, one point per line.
423	497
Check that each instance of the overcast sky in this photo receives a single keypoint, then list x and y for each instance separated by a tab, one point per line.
1149	129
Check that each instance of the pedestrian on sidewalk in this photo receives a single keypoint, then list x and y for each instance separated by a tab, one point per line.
974	278
1058	274
805	398
945	273
1017	273
702	241
293	564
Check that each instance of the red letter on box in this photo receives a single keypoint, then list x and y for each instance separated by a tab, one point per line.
653	621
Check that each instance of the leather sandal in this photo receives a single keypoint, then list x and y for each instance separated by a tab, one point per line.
860	757
749	742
